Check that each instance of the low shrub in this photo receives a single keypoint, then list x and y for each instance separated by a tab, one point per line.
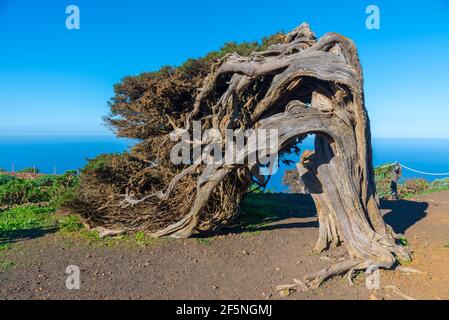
413	187
70	223
47	188
440	184
18	191
4	179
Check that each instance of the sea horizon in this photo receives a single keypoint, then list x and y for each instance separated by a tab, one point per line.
60	153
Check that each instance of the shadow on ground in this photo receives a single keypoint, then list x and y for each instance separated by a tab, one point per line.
260	210
403	213
25	234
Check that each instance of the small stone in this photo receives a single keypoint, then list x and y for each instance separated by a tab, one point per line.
375	296
286	292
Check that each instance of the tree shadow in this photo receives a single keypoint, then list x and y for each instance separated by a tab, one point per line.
260	211
403	213
9	237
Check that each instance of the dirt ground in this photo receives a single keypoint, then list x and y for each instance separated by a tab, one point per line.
234	265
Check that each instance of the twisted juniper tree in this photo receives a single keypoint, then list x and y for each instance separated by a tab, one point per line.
300	85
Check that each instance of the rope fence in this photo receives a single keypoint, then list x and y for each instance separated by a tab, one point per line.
414	170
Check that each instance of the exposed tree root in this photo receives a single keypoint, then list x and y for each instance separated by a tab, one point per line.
399	292
408	270
316	279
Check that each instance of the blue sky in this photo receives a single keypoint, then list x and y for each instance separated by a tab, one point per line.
57	81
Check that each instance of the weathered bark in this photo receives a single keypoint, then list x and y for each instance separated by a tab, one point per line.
299	87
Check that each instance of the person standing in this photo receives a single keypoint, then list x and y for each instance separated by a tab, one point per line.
396	175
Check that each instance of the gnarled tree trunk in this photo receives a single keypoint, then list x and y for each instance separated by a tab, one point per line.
299	87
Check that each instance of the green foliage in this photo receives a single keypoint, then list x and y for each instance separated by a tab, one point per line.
25	217
102	167
45	180
384	171
6	265
5	246
70	223
90	236
244	48
18	191
440	184
403	241
99	163
258	208
413	187
63	188
4	179
271	40
142	239
255	188
383	180
46	188
203	241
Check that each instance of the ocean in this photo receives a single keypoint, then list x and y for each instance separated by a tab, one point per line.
427	155
59	154
56	154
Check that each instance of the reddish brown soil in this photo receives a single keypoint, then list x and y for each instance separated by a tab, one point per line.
22	175
232	266
426	225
